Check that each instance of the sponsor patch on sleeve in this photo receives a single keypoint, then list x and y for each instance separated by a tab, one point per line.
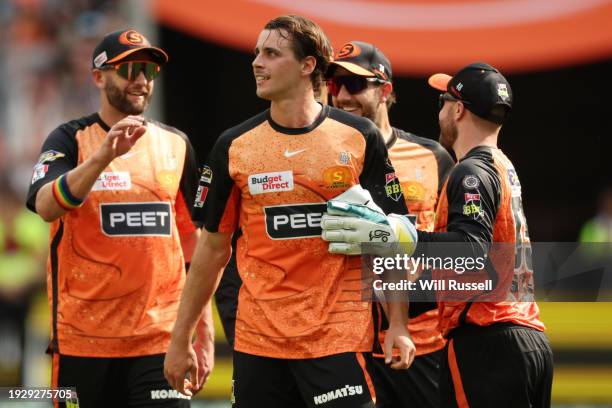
207	175
515	184
40	171
49	156
200	196
392	186
471	197
472	207
471	182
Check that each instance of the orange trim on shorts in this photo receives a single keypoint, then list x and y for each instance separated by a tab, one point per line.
55	376
458	384
368	379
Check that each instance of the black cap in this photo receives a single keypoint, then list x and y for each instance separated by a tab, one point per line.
362	58
481	86
118	45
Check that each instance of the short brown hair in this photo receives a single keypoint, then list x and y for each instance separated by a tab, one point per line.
307	39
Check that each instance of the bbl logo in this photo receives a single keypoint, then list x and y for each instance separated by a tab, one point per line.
392	186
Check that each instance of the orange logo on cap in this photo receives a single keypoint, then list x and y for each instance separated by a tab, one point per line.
349	50
132	37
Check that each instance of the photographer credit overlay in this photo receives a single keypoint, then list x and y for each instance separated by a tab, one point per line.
498	272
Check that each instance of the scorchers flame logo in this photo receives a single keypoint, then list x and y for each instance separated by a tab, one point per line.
132	37
348	50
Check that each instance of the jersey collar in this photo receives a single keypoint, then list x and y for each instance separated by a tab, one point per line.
299	131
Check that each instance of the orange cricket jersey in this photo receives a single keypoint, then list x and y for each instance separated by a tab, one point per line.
116	268
297	300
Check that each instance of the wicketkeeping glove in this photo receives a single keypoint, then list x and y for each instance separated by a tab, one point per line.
353	219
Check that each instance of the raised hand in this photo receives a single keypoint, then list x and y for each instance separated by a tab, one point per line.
121	137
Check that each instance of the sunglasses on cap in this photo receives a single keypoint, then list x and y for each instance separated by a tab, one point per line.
131	69
353	84
448	97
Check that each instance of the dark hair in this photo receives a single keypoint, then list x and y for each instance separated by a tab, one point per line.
307	39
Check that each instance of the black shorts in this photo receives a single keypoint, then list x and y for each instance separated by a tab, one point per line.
414	387
226	295
503	365
336	381
117	382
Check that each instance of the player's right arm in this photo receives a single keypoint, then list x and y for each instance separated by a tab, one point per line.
80	179
216	209
210	257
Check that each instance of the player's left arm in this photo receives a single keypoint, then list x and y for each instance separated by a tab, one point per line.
473	193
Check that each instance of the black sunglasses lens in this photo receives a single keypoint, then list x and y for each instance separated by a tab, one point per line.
353	84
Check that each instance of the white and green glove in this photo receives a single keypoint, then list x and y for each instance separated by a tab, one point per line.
353	219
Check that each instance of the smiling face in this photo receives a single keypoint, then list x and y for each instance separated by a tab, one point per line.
128	97
365	103
277	71
131	98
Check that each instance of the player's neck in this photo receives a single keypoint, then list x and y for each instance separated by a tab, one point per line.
468	140
382	122
295	112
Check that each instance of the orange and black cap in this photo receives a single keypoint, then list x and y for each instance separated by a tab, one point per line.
118	45
363	59
482	86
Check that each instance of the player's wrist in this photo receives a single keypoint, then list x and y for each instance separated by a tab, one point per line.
180	338
406	236
63	195
101	159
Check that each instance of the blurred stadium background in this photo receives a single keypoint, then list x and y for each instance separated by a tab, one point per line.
557	55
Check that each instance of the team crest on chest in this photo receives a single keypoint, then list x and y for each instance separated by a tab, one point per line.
169	180
337	177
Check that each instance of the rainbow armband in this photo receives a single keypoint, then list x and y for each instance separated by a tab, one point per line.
63	196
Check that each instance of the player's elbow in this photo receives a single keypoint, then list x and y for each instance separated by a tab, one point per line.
46	214
46	211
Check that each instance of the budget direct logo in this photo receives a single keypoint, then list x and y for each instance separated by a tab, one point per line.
108	180
294	221
270	182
